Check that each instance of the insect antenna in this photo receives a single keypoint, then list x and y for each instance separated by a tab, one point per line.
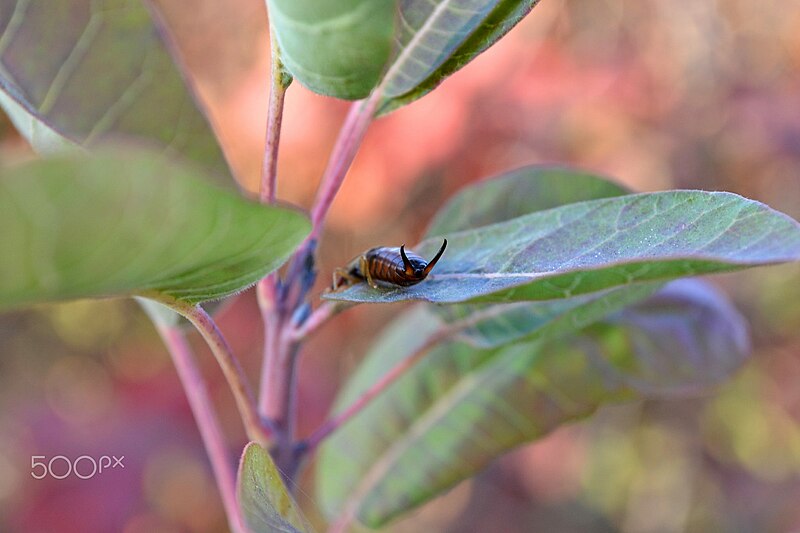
433	262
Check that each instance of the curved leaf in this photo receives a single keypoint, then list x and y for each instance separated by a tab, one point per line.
435	38
517	193
681	340
461	407
595	245
344	49
334	48
68	231
266	505
494	325
83	72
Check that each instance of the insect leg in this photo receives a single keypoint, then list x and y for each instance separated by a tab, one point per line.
363	265
341	276
338	278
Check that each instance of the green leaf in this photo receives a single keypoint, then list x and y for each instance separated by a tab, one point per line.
590	246
435	38
441	369
461	407
344	49
334	48
494	325
79	73
113	225
517	193
266	505
681	340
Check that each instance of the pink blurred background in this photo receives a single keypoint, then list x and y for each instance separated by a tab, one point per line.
657	94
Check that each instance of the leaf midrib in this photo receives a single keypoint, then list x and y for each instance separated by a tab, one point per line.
406	52
421	424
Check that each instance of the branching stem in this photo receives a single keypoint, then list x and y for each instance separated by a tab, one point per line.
280	299
237	381
318	317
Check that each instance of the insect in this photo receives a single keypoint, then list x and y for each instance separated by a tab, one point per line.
387	266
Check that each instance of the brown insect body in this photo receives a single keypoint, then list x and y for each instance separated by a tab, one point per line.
386	266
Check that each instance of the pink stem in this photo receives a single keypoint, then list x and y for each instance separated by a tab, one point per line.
447	332
267	288
206	420
277	389
444	333
318	317
274	372
269	165
266	293
350	137
337	421
237	381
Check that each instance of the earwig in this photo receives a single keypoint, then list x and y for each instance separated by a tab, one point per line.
386	266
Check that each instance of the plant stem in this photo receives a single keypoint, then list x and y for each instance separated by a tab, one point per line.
278	379
237	381
344	151
266	293
277	401
274	373
206	420
270	304
278	86
318	317
267	288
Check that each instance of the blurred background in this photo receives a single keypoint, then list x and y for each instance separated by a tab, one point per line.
705	95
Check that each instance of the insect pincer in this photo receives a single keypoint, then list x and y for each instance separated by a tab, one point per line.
410	271
435	259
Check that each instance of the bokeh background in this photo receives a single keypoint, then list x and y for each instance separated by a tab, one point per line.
658	94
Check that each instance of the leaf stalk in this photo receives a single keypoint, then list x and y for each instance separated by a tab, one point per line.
206	419
279	82
237	381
